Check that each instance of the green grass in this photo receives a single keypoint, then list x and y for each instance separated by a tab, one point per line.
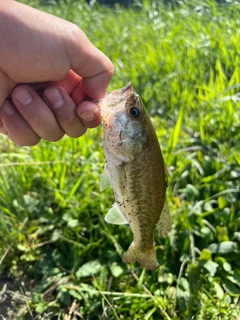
184	62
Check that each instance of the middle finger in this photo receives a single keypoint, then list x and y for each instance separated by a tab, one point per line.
64	110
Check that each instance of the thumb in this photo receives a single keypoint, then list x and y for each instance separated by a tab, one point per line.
95	69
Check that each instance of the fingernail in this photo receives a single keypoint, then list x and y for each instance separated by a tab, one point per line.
54	98
8	109
87	115
23	96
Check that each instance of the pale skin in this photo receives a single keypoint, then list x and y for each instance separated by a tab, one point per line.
49	72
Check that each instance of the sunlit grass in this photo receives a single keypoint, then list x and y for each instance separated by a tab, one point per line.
184	62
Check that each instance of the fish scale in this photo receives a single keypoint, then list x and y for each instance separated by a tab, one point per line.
135	169
148	211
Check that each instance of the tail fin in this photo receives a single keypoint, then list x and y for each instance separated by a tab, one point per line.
146	258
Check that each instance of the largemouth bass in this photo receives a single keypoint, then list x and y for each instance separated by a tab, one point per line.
135	169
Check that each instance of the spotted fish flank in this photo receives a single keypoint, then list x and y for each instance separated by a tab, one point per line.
135	170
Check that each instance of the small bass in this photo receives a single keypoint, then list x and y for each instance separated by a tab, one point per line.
135	169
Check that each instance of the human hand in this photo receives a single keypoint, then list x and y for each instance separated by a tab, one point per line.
48	71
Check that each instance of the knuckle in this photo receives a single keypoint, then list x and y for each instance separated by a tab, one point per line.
67	120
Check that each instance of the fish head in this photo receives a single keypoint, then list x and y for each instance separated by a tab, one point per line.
126	123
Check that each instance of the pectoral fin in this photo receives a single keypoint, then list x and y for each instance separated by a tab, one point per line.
115	216
165	222
105	179
118	175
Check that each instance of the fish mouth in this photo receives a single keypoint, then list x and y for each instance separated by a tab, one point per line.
122	93
114	98
117	96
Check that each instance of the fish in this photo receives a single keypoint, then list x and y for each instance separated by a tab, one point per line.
136	171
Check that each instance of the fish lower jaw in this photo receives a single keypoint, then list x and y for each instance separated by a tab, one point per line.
146	258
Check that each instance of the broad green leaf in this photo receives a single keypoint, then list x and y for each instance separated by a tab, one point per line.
223	247
166	278
222	233
227	267
41	307
211	266
183	294
23	247
73	223
234	277
230	287
64	297
205	255
183	284
219	290
237	236
116	270
222	203
227	299
75	294
89	269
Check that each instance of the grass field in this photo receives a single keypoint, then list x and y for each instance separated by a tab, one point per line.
58	258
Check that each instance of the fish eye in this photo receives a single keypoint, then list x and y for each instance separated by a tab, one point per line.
134	112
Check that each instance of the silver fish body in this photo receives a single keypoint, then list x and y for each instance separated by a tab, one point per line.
136	171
